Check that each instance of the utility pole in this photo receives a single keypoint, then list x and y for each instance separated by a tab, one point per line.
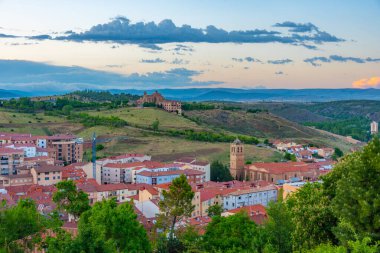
94	155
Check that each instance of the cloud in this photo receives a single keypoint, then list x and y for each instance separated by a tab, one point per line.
372	82
157	60
247	59
297	27
150	46
122	30
114	66
40	37
283	61
279	73
39	77
2	35
177	61
315	61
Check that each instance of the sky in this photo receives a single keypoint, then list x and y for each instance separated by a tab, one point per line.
69	45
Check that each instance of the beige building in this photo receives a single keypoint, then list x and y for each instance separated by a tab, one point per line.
16	180
44	174
69	151
237	160
374	127
325	152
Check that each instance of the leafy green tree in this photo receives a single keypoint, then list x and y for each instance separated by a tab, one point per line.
235	233
176	203
22	223
279	227
220	172
338	152
67	109
215	210
290	157
155	125
354	188
109	227
357	246
99	147
68	198
312	217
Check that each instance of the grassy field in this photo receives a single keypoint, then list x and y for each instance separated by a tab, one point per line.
169	149
144	117
137	140
8	117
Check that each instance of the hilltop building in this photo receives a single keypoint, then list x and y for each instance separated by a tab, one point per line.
160	101
237	159
374	127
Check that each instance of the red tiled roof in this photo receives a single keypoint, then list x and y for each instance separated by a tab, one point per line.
185	160
11	151
279	168
114	187
163	186
41	168
200	163
190	172
257	213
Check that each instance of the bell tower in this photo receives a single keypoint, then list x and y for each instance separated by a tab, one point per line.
237	160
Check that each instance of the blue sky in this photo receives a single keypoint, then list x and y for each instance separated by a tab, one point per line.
276	44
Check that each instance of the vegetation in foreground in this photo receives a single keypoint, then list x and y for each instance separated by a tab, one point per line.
341	214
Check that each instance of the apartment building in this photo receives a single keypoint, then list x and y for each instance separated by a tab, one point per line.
10	159
44	174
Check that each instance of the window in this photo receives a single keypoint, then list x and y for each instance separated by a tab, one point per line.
46	178
53	178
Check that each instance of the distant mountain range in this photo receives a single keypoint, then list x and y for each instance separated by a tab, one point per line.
13	93
239	95
247	95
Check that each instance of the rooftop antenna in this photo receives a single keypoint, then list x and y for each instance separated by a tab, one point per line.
94	155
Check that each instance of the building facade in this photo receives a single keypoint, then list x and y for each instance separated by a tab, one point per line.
157	99
374	127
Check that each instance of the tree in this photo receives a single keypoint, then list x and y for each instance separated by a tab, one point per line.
68	198
357	246
67	109
99	147
235	233
176	203
353	186
279	226
22	223
109	227
215	210
338	152
312	217
290	157
155	125
220	172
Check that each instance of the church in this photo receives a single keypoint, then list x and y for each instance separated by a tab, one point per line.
274	172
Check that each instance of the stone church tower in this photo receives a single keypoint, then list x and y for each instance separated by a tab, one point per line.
237	160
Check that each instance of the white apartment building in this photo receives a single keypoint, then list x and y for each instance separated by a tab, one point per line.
251	196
